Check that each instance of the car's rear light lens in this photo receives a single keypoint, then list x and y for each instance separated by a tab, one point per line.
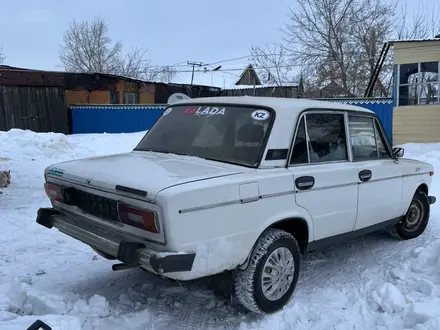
142	219
54	192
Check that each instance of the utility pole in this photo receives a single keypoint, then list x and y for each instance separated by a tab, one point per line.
199	64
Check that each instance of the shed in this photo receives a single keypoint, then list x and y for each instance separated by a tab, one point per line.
416	91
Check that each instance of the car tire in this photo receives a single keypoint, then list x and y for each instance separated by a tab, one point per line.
248	288
416	218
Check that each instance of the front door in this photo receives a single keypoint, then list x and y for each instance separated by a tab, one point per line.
326	183
380	178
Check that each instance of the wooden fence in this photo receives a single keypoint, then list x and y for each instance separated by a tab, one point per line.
40	109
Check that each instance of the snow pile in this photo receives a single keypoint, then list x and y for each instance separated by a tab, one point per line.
374	282
28	145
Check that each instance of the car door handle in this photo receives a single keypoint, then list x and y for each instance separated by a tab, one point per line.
305	182
365	175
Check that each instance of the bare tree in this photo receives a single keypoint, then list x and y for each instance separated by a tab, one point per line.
371	29
338	41
88	48
2	55
163	74
318	35
424	23
134	64
271	63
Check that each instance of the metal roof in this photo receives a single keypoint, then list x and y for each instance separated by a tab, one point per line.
413	40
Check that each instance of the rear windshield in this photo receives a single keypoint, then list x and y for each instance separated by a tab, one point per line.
229	134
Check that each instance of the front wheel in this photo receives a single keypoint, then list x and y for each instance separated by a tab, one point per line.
416	219
268	282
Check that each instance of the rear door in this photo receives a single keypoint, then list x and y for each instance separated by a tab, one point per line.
326	182
380	177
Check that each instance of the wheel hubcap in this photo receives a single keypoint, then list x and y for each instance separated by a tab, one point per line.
414	216
278	273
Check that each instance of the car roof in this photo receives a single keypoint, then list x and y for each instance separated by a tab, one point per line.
287	113
279	104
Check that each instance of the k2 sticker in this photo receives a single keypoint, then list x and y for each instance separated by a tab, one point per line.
260	115
167	111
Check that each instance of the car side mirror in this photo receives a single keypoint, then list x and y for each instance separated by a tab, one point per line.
398	152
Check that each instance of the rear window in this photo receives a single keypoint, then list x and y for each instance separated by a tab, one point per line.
232	134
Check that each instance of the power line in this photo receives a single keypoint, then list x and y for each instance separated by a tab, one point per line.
184	64
199	64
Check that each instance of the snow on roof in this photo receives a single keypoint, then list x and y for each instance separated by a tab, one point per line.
222	79
413	40
265	85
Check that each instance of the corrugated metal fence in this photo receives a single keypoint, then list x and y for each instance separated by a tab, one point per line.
134	118
114	118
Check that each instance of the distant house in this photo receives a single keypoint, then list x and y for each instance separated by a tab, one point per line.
416	90
249	77
40	100
248	83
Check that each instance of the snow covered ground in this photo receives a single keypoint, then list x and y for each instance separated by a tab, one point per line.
374	282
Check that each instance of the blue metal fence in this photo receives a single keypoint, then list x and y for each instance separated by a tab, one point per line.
383	107
140	117
114	118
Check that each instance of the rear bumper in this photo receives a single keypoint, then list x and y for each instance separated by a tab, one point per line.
132	252
431	200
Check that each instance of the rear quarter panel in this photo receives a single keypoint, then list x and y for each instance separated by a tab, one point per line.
207	217
415	173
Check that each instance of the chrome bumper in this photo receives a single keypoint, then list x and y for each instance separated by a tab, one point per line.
127	250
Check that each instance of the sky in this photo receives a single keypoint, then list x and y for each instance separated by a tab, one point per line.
173	31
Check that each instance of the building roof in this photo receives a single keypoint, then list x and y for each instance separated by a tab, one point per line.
10	75
412	40
248	74
265	85
219	79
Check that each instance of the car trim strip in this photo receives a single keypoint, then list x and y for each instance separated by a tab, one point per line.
238	201
328	187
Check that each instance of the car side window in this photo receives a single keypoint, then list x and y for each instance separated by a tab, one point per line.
381	145
366	139
299	152
326	137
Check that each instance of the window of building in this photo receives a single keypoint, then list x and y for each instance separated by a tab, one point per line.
366	138
114	98
131	98
419	83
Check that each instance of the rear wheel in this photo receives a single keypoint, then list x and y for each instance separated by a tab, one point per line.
416	219
270	278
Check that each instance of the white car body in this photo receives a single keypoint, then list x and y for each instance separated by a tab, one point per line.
217	211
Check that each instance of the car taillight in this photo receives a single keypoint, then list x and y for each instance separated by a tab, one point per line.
54	192
142	219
